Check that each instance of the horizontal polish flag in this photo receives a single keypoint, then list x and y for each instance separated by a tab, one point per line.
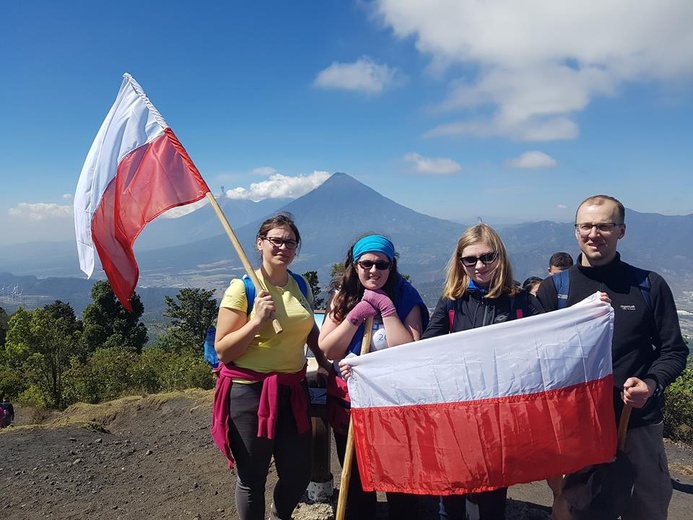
487	408
135	170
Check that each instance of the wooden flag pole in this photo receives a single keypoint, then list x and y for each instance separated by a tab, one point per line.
349	451
239	249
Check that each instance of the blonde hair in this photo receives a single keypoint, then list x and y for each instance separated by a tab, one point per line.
457	280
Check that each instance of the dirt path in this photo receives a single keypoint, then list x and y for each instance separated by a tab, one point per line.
153	458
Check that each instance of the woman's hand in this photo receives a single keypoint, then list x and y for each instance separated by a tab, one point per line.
264	305
381	301
360	313
345	369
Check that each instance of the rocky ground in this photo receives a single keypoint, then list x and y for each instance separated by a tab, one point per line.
152	457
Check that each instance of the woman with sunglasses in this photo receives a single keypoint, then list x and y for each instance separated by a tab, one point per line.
261	399
369	286
479	290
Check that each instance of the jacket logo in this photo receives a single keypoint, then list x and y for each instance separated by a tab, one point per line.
627	307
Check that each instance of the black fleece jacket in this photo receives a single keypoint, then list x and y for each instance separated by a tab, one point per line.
474	310
647	341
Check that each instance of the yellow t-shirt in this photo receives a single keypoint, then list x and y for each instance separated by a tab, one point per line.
269	351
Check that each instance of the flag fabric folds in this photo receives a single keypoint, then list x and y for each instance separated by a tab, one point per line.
486	408
135	170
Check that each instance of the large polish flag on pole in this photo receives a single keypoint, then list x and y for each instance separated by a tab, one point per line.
487	408
135	170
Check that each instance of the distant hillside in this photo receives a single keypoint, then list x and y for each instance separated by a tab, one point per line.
330	218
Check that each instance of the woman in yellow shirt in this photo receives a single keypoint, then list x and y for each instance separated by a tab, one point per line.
261	398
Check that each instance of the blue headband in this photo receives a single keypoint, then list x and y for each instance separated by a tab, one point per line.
373	244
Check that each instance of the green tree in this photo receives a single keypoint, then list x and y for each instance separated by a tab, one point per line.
312	277
18	339
192	312
41	344
336	270
11	382
108	324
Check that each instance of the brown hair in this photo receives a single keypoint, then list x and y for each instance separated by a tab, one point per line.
348	290
282	219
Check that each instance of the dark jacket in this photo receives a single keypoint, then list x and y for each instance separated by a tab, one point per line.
473	310
647	339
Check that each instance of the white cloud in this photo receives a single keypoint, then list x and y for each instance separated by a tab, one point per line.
264	171
67	196
437	166
531	65
280	187
181	211
561	206
40	211
363	75
533	159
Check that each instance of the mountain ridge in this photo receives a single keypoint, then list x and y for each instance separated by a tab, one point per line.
332	217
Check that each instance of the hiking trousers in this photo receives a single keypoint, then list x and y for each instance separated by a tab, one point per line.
652	488
291	451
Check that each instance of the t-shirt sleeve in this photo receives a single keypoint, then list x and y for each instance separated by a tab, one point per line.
234	296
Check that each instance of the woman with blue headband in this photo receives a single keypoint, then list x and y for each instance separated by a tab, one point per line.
369	286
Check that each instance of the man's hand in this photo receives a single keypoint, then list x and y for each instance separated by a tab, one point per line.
636	391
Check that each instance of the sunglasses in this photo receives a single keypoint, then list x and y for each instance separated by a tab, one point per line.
486	258
379	265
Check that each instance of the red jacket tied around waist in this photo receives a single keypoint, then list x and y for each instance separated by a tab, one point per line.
268	410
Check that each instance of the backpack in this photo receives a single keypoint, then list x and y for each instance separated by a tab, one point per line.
562	282
210	354
250	289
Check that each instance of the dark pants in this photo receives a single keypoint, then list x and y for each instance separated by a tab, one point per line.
253	454
491	505
361	505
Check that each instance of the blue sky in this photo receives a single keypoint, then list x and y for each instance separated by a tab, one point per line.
508	110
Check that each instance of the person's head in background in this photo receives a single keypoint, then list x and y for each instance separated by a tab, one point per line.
531	284
559	262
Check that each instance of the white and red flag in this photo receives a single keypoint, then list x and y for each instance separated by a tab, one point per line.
136	169
486	408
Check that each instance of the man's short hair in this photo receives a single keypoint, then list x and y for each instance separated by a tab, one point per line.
600	199
561	259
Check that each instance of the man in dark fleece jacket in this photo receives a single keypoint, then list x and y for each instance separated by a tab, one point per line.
648	350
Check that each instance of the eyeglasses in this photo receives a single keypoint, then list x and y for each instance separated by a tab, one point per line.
279	242
486	258
379	265
605	228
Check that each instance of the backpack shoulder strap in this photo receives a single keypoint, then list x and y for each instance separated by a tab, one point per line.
301	282
562	282
642	278
249	292
250	289
519	305
450	305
